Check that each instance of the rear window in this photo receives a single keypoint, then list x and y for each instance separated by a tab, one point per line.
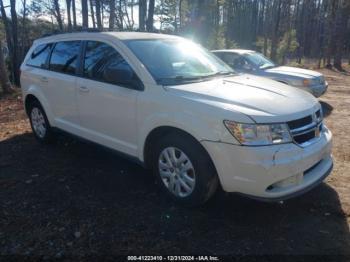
65	56
39	55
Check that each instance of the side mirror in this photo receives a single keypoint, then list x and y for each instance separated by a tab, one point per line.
123	76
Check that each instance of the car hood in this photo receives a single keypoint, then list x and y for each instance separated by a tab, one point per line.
261	99
293	71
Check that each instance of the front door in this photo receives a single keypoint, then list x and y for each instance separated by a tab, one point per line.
107	106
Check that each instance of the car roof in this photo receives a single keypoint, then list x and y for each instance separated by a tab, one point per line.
115	35
236	51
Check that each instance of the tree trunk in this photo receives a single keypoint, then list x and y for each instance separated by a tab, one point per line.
68	3
330	33
15	62
85	14
340	29
58	16
142	14
132	14
149	24
111	14
4	80
74	11
98	14
92	13
275	33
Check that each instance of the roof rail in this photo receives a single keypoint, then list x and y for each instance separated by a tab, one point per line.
78	30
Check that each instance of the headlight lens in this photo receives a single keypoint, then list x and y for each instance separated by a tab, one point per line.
306	82
301	82
259	135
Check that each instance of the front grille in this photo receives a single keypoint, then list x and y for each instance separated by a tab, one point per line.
305	129
300	139
300	122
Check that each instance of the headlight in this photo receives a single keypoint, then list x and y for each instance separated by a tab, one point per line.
300	82
259	135
306	82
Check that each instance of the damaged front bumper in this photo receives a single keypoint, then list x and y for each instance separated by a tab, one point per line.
275	172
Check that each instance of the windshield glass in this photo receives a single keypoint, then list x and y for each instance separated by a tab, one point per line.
173	61
259	60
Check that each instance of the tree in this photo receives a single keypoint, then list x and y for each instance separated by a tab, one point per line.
68	4
275	32
342	18
9	38
142	14
14	33
85	14
74	11
92	14
57	14
150	22
111	14
4	80
98	14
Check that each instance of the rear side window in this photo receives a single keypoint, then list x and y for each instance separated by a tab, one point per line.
64	57
101	60
39	55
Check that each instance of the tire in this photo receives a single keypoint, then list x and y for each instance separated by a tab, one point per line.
39	123
193	162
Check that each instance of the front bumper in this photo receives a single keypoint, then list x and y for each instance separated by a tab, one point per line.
272	172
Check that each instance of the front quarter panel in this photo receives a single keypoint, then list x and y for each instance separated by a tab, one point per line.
160	108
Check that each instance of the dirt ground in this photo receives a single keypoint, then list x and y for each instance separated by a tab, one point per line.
75	199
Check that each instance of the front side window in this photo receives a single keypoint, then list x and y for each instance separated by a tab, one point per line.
39	55
64	57
103	63
176	61
260	61
233	60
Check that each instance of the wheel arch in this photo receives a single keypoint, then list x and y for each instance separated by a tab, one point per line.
35	96
161	131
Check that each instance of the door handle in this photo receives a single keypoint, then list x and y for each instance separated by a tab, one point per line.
44	79
84	89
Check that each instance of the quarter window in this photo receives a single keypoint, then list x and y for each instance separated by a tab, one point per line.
39	55
103	63
65	56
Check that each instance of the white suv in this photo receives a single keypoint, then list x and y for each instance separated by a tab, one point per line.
179	111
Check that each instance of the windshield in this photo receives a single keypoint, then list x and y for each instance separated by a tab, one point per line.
177	61
259	60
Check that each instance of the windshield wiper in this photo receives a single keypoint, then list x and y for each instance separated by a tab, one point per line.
178	79
221	73
182	79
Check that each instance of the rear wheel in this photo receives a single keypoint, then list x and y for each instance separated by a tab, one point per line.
184	169
39	123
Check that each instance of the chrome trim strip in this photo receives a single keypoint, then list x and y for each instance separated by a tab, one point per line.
304	128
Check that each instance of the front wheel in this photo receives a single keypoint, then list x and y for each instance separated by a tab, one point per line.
184	169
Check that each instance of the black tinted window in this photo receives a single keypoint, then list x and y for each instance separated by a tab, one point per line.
64	57
103	63
39	55
233	60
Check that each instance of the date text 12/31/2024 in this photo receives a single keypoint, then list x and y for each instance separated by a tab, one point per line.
173	258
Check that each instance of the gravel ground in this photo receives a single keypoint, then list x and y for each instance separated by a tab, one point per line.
75	199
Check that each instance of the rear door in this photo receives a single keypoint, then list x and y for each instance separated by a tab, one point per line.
107	106
61	77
